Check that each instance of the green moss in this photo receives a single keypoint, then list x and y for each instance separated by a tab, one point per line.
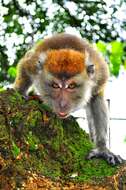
33	118
16	119
56	142
15	98
47	145
32	141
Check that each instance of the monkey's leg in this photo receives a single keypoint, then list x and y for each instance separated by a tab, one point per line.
98	120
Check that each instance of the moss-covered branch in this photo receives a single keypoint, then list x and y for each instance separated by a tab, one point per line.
33	139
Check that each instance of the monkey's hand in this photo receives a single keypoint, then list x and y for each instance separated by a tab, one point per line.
106	155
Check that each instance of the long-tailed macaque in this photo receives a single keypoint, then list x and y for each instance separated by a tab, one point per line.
68	73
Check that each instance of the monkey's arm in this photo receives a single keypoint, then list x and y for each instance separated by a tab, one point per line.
97	116
26	69
22	81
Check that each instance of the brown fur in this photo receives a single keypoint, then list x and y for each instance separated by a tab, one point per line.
61	41
65	61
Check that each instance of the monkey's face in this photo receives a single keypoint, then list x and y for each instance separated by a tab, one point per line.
64	95
64	82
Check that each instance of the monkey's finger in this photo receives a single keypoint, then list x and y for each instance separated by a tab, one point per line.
106	155
114	159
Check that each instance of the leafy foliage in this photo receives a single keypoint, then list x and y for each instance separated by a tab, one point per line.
114	53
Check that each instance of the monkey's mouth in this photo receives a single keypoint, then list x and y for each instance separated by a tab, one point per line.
62	115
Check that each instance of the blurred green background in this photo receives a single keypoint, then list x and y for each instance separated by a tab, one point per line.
23	22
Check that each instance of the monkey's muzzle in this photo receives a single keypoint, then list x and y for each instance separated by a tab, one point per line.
62	115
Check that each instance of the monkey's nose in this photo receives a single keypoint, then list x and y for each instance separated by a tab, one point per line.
63	104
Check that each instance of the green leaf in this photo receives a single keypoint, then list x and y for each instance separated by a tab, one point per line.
12	72
115	57
125	64
117	48
102	47
15	150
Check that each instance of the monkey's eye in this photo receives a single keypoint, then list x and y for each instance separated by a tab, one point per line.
55	85
72	86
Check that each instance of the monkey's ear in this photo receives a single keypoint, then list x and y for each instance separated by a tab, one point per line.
41	61
90	67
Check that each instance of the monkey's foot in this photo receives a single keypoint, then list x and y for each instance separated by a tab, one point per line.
106	155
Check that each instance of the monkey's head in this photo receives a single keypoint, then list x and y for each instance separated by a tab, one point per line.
64	80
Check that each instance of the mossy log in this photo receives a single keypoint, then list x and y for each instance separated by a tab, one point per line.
40	151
